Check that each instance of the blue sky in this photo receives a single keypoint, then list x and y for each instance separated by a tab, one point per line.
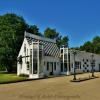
79	19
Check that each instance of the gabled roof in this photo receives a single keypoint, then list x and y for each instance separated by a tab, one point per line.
50	46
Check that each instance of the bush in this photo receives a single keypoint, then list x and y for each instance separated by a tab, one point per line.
24	75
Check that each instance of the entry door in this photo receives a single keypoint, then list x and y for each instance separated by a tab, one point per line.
51	68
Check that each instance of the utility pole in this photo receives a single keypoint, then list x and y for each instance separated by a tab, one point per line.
92	65
74	53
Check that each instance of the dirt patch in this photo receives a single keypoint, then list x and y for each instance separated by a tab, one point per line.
58	88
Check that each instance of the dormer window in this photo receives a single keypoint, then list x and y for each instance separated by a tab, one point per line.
25	51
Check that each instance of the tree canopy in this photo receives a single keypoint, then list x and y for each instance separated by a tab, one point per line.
53	34
34	30
12	29
64	41
92	46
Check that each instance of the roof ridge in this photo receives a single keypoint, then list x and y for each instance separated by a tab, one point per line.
27	34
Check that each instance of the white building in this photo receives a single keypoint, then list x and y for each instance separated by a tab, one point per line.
40	57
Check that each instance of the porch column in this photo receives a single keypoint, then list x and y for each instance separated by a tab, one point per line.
63	58
67	62
32	58
38	72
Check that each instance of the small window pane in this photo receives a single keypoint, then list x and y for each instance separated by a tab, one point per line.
47	66
54	65
61	67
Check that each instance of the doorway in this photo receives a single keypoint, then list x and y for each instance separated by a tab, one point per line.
51	68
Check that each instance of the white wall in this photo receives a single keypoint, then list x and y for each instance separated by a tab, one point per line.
23	69
52	59
86	56
79	57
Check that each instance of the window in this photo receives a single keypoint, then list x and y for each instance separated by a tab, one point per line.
65	67
61	50
25	48
77	65
65	56
61	67
40	46
35	60
27	65
80	65
35	53
85	63
87	60
47	66
30	60
40	54
25	51
27	54
35	66
72	65
54	65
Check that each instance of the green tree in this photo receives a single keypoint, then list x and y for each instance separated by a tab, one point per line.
12	29
64	41
88	47
34	30
51	33
92	46
96	43
96	40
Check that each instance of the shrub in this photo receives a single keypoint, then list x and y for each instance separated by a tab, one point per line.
24	75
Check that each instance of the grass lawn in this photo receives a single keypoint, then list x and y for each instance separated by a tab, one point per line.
9	78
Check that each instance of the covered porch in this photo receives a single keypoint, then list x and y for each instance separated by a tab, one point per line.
36	60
